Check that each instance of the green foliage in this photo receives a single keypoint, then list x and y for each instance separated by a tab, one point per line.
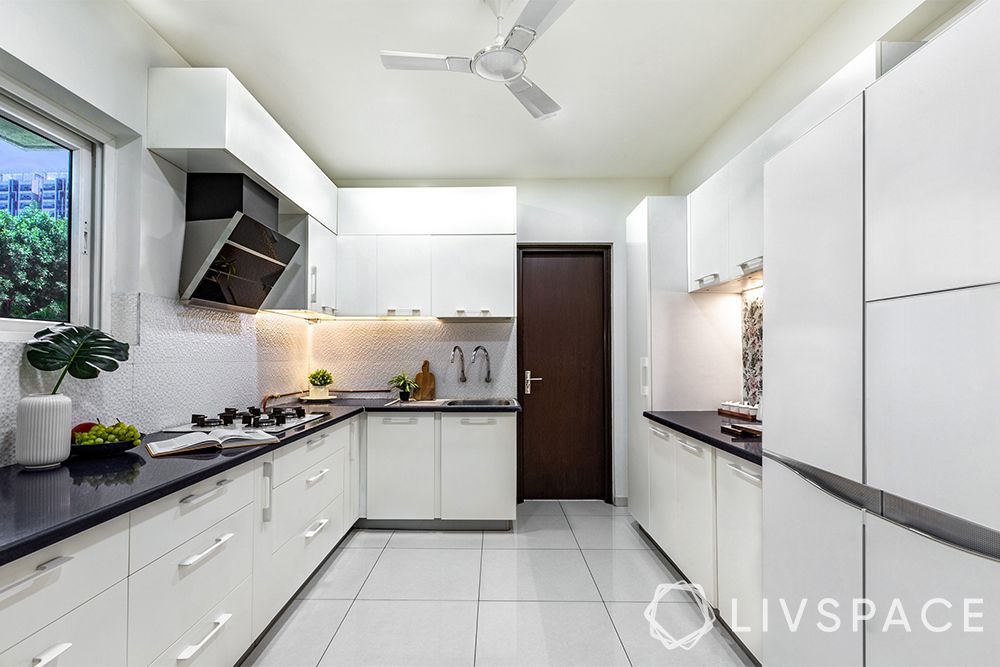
320	378
403	383
34	265
81	351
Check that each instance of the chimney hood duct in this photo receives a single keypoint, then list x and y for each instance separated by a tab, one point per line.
233	253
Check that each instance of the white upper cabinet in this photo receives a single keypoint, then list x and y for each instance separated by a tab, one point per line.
708	232
933	205
473	276
322	268
403	276
746	211
416	210
202	119
814	305
356	276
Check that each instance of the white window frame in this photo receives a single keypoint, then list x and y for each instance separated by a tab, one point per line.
84	252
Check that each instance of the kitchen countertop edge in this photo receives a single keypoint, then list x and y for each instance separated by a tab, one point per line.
680	421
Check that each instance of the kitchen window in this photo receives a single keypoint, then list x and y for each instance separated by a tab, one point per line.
46	207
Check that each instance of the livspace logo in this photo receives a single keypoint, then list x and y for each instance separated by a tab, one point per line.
937	615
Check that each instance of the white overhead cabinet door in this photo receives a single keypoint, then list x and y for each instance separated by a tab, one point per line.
322	268
708	232
356	276
473	276
403	276
746	210
932	167
814	308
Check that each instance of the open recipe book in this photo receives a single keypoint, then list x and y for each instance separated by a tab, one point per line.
220	438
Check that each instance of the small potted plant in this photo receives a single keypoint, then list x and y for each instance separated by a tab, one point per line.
404	384
44	420
319	383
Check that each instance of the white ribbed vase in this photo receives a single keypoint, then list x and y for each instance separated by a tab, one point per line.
319	392
44	422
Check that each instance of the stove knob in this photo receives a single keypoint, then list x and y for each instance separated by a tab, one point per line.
231	410
279	419
198	420
247	419
300	412
254	411
227	418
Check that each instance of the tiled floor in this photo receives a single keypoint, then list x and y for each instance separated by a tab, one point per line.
567	587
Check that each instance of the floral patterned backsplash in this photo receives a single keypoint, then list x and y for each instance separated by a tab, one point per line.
753	345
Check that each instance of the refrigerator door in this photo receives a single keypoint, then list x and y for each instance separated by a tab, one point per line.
932	378
921	572
813	549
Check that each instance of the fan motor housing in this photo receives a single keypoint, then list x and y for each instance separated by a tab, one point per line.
499	63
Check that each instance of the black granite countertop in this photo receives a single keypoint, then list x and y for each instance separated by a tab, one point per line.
706	426
40	508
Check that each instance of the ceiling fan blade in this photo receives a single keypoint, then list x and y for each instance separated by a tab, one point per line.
533	98
425	61
536	17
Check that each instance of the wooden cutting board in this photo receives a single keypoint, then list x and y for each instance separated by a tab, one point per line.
425	379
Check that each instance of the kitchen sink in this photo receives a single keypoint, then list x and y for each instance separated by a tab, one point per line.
482	402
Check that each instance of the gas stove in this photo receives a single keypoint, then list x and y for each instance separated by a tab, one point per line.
272	420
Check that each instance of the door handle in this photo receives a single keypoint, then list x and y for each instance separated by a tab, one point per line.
708	279
745	473
528	380
50	654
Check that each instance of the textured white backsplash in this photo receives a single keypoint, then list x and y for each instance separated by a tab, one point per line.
364	354
182	360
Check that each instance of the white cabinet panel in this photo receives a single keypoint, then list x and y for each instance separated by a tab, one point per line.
693	548
739	525
932	377
473	276
814	303
479	466
401	466
92	635
904	566
305	495
662	488
220	637
746	210
813	549
933	205
403	276
428	210
708	242
322	268
352	471
639	391
356	276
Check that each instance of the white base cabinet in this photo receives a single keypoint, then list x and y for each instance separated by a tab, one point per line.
694	517
662	508
479	466
402	470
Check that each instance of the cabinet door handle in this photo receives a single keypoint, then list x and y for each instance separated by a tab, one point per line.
460	309
197	558
644	376
415	309
50	654
41	570
485	309
268	482
691	448
318	476
314	285
311	444
195	649
401	420
662	434
708	279
752	265
195	497
746	473
478	422
313	532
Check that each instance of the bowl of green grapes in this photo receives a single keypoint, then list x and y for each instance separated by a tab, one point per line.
94	439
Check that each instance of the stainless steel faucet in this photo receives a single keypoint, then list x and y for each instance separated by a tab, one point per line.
489	377
461	357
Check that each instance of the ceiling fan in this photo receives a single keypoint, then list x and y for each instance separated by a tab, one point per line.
503	60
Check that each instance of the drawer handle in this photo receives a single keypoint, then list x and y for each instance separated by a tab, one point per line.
311	444
197	558
318	476
662	434
485	309
50	654
403	420
41	570
267	484
313	532
460	309
746	473
195	649
690	448
479	422
708	279
195	497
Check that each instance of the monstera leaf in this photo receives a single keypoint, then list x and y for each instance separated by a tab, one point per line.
81	351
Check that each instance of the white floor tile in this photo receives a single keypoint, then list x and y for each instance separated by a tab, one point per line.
436	539
607	532
424	574
381	633
715	648
366	539
536	574
300	636
531	508
629	575
592	508
547	633
342	575
534	532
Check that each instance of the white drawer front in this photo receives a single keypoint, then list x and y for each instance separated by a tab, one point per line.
162	525
293	459
305	495
39	588
186	583
219	638
92	635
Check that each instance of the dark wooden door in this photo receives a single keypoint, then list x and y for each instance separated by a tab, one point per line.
564	337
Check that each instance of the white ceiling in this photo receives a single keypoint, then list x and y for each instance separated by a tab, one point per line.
643	83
